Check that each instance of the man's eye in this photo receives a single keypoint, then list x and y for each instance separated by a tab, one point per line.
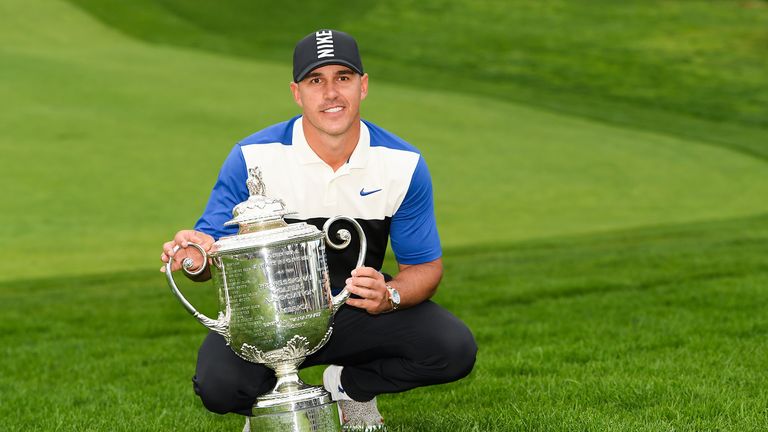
315	80
343	78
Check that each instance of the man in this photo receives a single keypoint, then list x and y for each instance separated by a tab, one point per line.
389	337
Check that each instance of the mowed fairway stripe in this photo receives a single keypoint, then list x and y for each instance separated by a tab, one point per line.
113	145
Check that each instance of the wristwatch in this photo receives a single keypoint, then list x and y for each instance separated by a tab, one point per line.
394	298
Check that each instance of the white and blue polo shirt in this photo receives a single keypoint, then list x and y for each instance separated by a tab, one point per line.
385	185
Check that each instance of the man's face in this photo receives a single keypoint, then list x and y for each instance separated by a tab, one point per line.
330	98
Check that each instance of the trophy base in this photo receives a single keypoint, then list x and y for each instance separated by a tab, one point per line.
297	397
323	417
301	408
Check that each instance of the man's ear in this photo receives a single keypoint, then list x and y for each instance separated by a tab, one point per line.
363	86
296	95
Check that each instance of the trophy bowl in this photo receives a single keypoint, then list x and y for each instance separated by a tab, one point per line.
275	303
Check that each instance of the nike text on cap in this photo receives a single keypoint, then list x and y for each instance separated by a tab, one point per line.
322	48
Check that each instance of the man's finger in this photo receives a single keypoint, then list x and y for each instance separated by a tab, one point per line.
170	252
374	297
168	248
182	237
354	302
206	242
367	272
366	283
361	292
373	284
359	303
195	238
368	305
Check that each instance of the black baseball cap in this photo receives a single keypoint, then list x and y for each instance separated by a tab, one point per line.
325	47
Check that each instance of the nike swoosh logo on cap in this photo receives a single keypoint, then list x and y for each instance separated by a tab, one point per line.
364	193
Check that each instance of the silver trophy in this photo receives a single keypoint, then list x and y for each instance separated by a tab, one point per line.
275	303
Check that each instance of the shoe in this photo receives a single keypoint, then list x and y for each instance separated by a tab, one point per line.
354	416
247	427
332	383
360	416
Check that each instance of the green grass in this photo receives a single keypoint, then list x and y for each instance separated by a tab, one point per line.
637	330
598	215
119	147
700	63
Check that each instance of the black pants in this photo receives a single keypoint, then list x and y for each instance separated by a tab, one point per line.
386	353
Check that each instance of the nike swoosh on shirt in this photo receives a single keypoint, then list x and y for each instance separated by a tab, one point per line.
364	193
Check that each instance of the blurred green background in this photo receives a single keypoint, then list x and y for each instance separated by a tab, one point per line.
600	173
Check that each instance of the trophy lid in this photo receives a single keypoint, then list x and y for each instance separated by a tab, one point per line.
261	221
256	213
258	209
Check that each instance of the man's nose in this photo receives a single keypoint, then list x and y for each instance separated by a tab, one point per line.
330	90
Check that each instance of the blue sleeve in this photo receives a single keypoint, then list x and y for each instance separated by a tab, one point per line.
230	190
414	231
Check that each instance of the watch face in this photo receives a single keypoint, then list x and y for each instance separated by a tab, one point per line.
395	296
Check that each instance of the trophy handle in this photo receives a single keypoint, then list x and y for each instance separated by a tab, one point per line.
220	325
345	238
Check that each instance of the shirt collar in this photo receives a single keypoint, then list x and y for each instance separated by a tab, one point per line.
306	155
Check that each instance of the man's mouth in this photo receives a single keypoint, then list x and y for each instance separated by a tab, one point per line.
333	109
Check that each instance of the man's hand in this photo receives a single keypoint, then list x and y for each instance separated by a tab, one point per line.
369	285
182	239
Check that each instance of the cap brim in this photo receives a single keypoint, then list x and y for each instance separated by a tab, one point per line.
324	62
